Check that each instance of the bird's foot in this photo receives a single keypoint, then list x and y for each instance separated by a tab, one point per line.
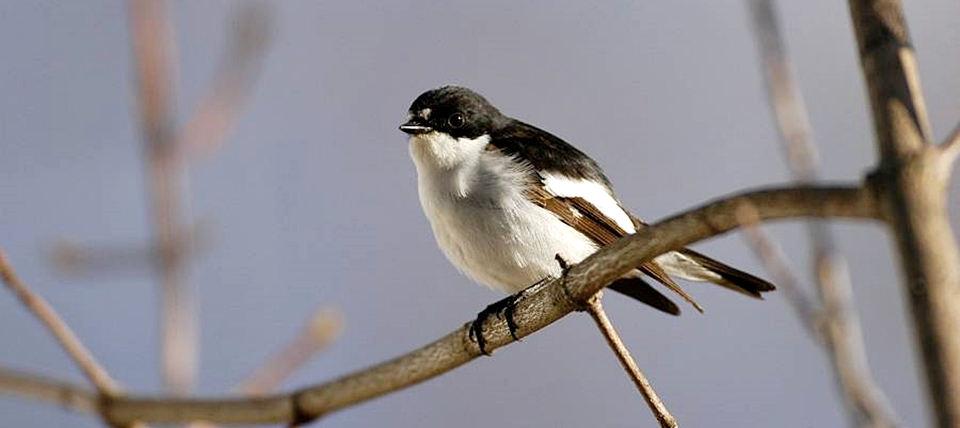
503	309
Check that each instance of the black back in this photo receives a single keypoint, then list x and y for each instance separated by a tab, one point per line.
545	151
541	149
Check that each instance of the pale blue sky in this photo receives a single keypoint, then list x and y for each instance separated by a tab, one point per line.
313	200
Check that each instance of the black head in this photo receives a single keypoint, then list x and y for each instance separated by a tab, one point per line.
457	111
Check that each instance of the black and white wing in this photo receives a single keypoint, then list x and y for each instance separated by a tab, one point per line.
572	186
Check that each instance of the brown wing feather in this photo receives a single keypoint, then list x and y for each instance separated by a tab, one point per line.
583	216
730	277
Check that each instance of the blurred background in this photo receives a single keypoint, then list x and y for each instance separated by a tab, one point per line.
311	201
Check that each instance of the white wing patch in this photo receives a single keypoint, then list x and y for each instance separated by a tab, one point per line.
595	193
673	263
679	265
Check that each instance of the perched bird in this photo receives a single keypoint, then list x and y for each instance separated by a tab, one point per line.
510	204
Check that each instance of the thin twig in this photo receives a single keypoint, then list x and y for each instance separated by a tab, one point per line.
167	150
219	108
71	258
836	325
323	328
537	310
950	148
595	308
772	257
152	43
39	388
97	375
786	100
836	328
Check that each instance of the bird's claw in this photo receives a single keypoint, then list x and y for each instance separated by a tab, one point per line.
503	309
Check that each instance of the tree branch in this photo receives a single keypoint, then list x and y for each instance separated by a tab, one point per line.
64	394
836	324
775	262
153	50
97	375
836	328
535	311
219	109
951	148
595	309
914	183
320	331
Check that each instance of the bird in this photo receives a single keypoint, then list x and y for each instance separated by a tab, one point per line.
511	205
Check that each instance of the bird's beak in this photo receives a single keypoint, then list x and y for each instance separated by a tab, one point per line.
415	127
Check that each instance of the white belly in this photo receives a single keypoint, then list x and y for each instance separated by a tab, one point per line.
506	248
482	222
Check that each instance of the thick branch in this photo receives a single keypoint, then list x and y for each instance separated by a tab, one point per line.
534	312
914	183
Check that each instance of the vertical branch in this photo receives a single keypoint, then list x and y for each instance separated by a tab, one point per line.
656	405
913	185
152	41
838	324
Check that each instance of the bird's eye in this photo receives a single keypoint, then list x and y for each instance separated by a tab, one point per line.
455	120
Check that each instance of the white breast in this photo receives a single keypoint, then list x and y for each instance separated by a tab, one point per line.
482	221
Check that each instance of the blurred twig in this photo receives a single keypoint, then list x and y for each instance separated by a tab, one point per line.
153	49
72	258
834	328
97	375
840	333
595	308
323	328
168	150
219	108
34	387
772	257
320	331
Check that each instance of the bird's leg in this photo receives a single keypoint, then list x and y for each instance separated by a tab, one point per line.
504	309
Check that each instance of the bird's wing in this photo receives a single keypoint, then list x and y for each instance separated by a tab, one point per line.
594	213
572	186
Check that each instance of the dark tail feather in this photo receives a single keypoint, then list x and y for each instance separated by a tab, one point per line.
653	270
640	290
732	278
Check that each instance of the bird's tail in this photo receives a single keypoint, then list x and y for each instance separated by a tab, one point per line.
691	265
